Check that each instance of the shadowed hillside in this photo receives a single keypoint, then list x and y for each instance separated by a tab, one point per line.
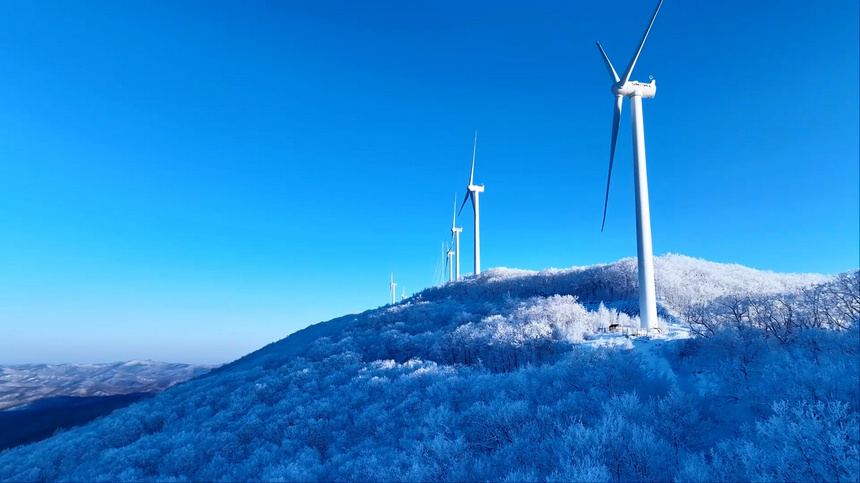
46	416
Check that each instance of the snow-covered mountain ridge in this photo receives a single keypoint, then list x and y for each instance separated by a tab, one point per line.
23	384
680	281
503	377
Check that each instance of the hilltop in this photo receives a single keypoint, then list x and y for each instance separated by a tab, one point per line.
511	375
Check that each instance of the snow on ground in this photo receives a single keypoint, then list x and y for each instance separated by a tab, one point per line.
650	346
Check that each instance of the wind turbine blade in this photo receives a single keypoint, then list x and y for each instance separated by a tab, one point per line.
464	202
454	219
629	70
609	67
616	120
474	148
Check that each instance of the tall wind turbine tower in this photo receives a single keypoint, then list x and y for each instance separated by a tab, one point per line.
472	191
393	291
455	239
624	87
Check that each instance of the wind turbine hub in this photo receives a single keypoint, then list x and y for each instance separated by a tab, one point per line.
475	188
635	88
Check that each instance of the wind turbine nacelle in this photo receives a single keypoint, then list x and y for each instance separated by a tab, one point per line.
636	88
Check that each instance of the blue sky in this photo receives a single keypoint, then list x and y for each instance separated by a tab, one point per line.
188	181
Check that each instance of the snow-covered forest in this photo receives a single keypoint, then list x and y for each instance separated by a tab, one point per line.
514	376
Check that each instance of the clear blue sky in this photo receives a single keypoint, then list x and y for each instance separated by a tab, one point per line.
188	181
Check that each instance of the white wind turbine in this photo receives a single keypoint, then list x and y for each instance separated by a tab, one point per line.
403	295
472	192
622	88
449	253
393	292
455	238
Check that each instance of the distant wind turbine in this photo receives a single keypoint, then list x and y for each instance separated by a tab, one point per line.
440	275
403	295
472	192
393	292
455	239
449	253
635	90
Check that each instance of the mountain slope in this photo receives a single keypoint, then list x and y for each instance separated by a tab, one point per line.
496	377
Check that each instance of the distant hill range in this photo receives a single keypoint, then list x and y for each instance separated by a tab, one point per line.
36	400
21	385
